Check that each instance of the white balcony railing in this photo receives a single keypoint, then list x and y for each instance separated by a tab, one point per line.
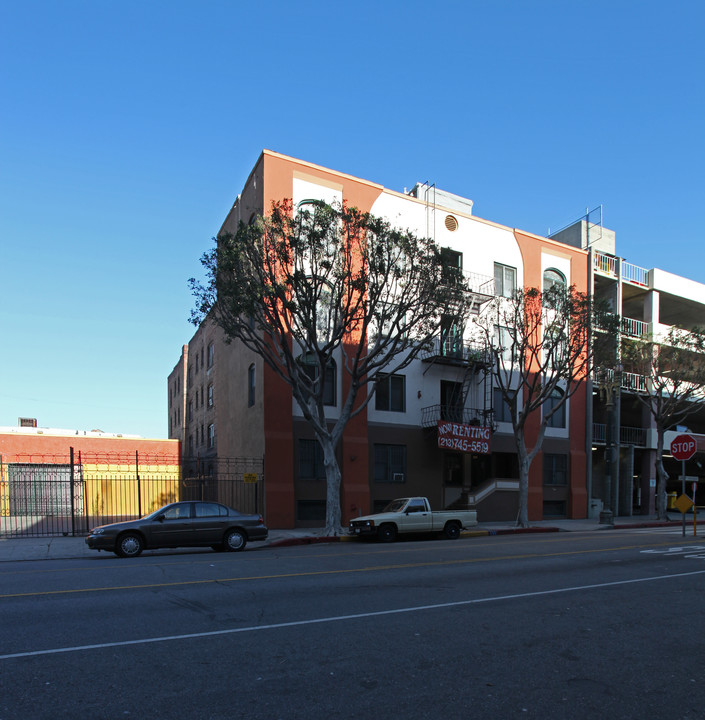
634	328
607	265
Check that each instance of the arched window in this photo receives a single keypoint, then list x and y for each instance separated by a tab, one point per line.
310	367
553	278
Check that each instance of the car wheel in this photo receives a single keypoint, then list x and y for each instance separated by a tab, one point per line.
129	545
452	531
387	533
235	540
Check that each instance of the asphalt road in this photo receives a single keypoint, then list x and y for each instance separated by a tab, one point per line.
605	624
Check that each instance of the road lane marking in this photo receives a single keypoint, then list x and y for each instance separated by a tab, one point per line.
315	573
342	618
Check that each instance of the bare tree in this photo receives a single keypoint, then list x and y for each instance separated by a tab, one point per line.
671	386
322	287
541	354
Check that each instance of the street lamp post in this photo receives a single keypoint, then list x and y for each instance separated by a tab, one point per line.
611	381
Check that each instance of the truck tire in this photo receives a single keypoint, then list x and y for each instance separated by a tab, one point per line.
452	530
387	532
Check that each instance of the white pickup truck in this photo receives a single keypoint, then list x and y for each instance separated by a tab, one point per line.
412	515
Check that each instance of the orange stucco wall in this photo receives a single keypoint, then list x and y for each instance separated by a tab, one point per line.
278	174
532	248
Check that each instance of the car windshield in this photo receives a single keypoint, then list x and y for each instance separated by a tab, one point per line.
396	505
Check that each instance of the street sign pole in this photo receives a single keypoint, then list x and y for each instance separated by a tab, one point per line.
683	489
683	447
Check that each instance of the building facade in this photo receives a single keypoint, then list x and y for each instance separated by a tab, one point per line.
226	404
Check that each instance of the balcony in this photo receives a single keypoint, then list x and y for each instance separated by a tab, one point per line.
627	435
467	416
605	264
628	381
450	351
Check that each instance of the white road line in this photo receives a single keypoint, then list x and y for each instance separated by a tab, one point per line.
340	618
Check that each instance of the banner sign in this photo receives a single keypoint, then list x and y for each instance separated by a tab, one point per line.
466	438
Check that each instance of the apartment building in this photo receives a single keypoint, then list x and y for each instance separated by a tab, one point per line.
225	403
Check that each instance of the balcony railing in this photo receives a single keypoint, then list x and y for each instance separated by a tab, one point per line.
607	265
634	328
467	416
628	381
452	350
627	435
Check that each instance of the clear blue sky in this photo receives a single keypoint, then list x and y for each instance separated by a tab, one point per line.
128	128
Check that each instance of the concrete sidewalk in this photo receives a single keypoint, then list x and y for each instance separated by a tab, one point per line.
55	548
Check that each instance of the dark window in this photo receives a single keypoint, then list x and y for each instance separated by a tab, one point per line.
390	463
210	396
211	353
391	393
502	411
555	469
310	367
557	420
451	401
554	508
251	386
506	465
452	262
311	510
311	460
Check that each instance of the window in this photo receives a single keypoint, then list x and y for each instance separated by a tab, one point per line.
505	280
211	436
251	386
190	409
311	460
452	261
557	420
310	367
311	511
451	337
553	278
210	396
211	352
502	410
178	512
503	342
390	463
391	393
555	469
206	509
416	506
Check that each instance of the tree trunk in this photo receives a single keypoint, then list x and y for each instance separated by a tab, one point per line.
524	465
333	477
661	505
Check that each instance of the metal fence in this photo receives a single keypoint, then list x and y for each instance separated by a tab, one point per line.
53	498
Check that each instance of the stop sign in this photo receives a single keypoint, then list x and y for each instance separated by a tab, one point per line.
683	447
